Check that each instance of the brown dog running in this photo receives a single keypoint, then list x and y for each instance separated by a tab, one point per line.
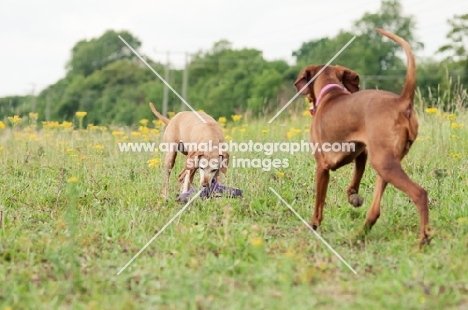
200	141
381	124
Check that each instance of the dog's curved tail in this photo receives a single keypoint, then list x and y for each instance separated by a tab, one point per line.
410	84
164	119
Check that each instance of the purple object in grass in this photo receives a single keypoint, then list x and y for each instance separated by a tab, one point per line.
216	189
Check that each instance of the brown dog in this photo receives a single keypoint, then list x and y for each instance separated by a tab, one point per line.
382	125
200	141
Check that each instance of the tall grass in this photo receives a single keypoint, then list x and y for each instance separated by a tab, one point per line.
74	210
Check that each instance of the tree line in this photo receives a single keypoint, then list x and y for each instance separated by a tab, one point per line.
108	81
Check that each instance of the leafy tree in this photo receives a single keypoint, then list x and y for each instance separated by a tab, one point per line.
458	35
224	81
95	54
374	57
457	61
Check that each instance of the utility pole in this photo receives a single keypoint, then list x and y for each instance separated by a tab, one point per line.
166	89
166	77
185	81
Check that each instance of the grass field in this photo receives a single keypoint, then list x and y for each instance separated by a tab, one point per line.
75	210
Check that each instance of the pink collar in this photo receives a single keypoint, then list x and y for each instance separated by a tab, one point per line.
322	93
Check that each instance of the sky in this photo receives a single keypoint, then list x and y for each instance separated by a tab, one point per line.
37	36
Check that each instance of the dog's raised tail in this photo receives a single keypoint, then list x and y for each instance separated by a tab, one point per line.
410	84
164	119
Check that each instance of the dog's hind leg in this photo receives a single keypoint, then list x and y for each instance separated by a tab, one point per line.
353	188
322	178
391	171
168	165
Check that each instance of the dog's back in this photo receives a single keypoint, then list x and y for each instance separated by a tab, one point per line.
188	127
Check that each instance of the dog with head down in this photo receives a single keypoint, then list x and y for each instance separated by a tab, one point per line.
198	136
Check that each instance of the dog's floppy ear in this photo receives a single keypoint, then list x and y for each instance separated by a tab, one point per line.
224	162
303	78
349	78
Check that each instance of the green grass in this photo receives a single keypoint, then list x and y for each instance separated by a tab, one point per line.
73	214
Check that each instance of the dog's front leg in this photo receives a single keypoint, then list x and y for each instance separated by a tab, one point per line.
374	211
322	177
186	184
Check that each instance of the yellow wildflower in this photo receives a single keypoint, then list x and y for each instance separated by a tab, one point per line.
32	136
452	117
222	120
431	110
143	129
264	131
117	133
306	113
236	117
170	114
15	120
201	111
280	174
2	125
456	155
256	241
242	130
72	180
153	162
292	132
136	133
98	147
69	150
50	125
66	125
81	114
456	126
144	122
1	148
33	116
157	123
228	138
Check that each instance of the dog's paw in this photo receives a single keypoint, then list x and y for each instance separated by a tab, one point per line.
425	240
355	200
